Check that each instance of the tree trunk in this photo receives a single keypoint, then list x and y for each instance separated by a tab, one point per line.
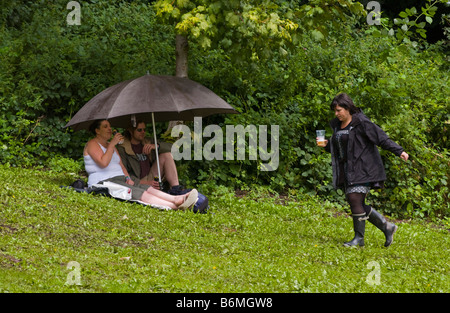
181	70
181	53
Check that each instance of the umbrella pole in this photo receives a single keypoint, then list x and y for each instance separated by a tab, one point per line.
156	148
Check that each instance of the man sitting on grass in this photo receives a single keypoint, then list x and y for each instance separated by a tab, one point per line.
138	156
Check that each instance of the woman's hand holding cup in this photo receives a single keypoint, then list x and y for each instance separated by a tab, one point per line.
320	139
117	138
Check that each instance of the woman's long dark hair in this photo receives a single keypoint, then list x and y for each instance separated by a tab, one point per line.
96	125
344	101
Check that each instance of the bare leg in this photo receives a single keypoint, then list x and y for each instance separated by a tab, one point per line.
177	200
168	169
152	199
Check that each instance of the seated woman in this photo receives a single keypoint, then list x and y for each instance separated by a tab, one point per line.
102	163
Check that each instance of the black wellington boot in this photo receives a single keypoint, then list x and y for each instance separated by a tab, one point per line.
382	224
359	226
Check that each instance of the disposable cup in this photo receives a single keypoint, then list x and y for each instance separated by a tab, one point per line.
121	141
320	137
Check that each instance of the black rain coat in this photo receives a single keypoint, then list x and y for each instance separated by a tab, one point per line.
364	164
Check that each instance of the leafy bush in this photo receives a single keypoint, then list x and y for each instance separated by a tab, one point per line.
64	165
49	70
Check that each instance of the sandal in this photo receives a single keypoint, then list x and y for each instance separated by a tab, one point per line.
190	200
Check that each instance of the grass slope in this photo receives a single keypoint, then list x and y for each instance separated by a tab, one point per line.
253	243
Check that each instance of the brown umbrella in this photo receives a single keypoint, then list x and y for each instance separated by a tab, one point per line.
166	98
150	98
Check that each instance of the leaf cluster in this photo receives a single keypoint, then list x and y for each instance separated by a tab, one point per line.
411	23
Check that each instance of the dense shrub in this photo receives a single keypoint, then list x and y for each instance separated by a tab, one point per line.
49	69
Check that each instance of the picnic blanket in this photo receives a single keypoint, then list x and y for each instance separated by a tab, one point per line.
104	191
202	205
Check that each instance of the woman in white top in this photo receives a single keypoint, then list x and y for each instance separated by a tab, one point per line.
102	163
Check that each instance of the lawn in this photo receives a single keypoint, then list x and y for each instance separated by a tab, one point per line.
53	239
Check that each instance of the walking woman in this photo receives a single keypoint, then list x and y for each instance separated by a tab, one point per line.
357	164
102	163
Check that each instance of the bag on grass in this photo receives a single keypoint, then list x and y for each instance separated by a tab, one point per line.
202	204
78	184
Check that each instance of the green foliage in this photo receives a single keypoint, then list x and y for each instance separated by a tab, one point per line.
49	69
257	25
319	18
67	166
411	22
446	42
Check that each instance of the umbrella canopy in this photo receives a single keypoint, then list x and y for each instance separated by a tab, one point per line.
167	97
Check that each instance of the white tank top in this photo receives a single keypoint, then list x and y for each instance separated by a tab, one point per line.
98	174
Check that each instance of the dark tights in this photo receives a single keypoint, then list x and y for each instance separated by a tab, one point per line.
357	203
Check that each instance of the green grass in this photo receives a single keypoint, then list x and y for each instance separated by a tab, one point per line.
254	243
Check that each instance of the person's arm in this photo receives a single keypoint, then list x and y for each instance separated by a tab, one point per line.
127	175
123	157
376	135
404	156
147	149
102	159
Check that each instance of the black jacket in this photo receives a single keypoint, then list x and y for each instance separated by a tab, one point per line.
364	164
